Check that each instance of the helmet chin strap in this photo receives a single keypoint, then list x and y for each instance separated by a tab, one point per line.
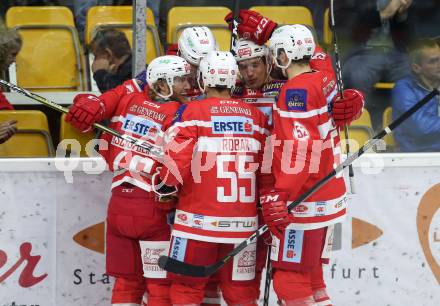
202	89
283	66
269	66
170	86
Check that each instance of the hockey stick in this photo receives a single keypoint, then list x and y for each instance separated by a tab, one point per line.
234	34
154	150
268	279
179	267
340	85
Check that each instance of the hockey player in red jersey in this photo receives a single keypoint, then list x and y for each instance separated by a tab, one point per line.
259	89
190	48
193	44
218	169
306	149
137	232
255	64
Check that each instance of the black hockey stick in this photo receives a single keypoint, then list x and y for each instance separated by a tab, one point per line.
340	85
179	267
268	279
234	34
152	149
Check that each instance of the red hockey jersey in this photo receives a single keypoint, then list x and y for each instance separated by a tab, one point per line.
220	145
264	98
112	97
138	117
309	149
321	61
4	103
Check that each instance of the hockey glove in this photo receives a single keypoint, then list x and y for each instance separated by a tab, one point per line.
85	111
166	196
275	213
347	109
252	26
173	49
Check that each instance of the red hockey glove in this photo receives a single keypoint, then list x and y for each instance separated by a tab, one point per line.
275	212
349	108
85	111
252	26
172	49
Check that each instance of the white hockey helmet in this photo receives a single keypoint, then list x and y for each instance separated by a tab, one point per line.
296	40
195	42
217	68
247	49
167	68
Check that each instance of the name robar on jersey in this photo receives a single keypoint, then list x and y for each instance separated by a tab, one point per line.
140	118
219	167
309	149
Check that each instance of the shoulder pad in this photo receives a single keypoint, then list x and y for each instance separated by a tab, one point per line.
141	79
179	113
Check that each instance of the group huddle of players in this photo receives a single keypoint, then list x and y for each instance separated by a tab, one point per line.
239	145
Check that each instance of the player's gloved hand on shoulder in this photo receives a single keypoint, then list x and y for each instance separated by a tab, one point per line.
252	26
172	49
275	213
347	109
85	111
166	196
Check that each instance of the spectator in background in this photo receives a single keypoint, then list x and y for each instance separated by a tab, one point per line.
421	131
10	45
427	16
374	36
7	129
112	63
80	9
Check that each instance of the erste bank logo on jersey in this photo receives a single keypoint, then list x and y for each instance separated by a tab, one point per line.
231	125
141	126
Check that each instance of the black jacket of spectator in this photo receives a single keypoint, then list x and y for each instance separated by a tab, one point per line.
107	80
356	19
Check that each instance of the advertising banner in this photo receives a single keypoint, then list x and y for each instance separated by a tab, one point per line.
387	252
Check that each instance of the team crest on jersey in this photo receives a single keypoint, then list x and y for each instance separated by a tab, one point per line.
141	126
231	125
198	221
296	99
320	208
